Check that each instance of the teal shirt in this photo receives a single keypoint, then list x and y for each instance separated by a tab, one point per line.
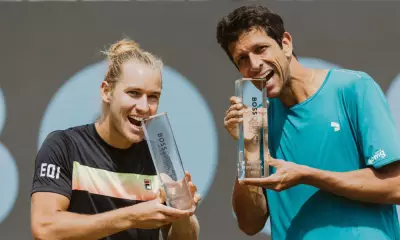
346	125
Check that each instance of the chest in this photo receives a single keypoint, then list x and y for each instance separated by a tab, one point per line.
320	136
124	175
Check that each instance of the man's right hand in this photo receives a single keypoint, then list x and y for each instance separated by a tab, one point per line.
252	117
234	116
154	214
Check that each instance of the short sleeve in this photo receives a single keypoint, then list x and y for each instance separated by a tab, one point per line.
53	168
376	131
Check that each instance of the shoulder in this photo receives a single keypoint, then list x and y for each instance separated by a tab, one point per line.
66	137
56	138
353	84
79	132
347	78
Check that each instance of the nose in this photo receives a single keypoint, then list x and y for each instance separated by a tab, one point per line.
255	63
142	104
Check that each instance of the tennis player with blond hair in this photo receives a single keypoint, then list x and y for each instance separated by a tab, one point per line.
98	181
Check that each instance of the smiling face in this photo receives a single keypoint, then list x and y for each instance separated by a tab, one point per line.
257	55
133	97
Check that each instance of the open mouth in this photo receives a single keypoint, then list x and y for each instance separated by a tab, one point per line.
265	80
269	75
136	121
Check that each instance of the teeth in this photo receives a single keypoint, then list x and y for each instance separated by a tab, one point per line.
137	118
266	74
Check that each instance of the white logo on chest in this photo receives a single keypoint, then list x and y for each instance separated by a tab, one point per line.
336	126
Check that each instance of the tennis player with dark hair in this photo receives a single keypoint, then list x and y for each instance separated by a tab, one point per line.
335	171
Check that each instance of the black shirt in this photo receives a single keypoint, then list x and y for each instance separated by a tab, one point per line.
95	176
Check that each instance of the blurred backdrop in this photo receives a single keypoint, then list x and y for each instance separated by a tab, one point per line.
51	68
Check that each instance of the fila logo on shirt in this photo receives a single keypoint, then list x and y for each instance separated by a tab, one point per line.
147	184
50	171
335	126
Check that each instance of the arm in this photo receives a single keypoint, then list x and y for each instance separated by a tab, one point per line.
250	206
51	192
368	185
186	228
50	219
249	202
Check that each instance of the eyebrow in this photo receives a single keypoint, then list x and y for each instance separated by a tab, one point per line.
255	46
141	90
156	92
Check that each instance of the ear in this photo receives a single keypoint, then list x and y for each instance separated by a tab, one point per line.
106	91
287	44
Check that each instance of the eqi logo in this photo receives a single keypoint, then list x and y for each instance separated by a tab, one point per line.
50	171
78	102
8	170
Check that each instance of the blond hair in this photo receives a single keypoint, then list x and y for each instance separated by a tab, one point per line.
126	50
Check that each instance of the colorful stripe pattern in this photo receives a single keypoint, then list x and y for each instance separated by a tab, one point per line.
119	185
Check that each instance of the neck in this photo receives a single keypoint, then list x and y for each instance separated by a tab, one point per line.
110	134
302	84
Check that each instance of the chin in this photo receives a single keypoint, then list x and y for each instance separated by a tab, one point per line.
132	134
134	138
273	94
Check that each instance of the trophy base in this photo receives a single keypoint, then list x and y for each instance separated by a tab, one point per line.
178	195
253	169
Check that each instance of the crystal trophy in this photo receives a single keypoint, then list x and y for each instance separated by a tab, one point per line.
252	143
167	161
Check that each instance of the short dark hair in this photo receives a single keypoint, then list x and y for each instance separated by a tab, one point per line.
245	19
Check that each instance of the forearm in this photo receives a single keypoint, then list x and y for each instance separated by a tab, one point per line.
72	226
365	185
186	228
250	206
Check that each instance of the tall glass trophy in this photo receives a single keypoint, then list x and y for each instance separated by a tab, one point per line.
252	144
167	161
